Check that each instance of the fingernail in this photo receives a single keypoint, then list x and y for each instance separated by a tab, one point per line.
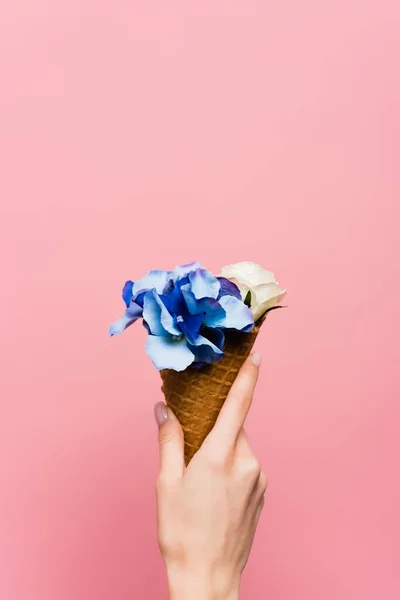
256	358
160	413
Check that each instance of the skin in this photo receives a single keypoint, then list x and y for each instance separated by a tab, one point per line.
208	512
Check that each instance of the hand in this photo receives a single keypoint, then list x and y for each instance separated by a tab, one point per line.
208	512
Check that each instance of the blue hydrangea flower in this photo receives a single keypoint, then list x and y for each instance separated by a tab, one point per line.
185	312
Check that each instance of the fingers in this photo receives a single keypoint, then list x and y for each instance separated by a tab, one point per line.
234	411
170	438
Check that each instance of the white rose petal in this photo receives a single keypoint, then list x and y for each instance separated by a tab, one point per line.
264	289
265	297
248	273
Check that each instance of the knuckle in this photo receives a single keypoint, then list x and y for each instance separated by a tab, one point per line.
255	467
217	460
170	548
251	468
163	483
217	463
165	437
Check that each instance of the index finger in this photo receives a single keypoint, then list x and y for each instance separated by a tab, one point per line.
237	404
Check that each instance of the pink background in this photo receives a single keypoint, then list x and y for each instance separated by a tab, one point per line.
144	134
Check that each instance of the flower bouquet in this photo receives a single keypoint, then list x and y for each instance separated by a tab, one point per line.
201	328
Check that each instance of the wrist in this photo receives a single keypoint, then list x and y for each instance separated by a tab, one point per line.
196	585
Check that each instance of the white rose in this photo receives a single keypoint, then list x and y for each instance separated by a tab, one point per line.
265	292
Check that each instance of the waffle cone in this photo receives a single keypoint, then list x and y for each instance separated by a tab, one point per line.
196	396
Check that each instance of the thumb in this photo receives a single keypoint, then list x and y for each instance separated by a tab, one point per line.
170	438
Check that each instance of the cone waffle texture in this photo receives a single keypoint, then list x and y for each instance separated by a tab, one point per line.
196	396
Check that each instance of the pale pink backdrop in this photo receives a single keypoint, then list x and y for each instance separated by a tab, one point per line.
144	134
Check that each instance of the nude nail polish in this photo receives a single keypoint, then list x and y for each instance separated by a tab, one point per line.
160	413
256	358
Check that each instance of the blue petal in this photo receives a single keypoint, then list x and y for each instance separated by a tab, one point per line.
154	279
205	351
183	270
140	298
228	288
215	335
169	286
127	293
204	284
131	315
174	301
192	304
214	312
190	325
167	353
238	315
182	281
157	316
209	307
176	306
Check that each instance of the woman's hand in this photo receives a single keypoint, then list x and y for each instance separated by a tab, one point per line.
208	512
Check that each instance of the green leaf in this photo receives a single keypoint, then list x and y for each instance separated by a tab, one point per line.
247	300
